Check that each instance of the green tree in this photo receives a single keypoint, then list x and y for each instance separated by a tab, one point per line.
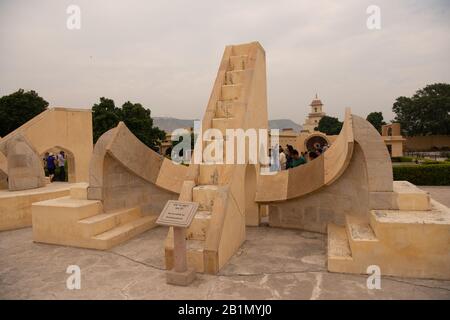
105	116
329	125
427	112
139	121
19	107
376	119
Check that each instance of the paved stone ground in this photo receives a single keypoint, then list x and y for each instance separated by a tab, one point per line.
272	264
439	193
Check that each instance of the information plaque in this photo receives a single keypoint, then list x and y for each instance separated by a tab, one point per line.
178	213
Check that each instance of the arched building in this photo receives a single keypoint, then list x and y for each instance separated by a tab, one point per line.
308	137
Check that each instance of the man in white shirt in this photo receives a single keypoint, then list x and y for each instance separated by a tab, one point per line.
282	157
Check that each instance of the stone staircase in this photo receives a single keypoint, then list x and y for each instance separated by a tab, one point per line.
83	223
412	241
213	176
218	228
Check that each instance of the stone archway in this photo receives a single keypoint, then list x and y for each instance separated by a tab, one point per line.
70	159
314	139
252	217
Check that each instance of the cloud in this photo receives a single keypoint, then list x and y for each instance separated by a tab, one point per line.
165	54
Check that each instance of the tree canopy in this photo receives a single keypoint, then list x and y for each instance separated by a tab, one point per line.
105	116
329	125
19	107
427	112
376	119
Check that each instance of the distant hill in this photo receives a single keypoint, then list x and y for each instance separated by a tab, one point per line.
169	124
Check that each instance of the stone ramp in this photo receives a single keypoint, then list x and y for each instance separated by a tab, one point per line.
225	193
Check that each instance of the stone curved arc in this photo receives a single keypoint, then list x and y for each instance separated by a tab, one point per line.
143	161
137	161
24	170
338	156
98	156
305	179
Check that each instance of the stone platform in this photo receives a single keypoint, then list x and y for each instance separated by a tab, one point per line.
412	241
76	221
15	206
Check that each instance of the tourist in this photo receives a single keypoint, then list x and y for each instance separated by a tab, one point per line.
305	156
297	159
274	159
312	155
282	157
318	149
50	162
289	156
61	163
318	152
45	160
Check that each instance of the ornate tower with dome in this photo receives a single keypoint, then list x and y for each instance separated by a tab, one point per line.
312	121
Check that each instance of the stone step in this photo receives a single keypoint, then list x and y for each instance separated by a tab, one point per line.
408	243
214	152
410	197
195	254
234	77
231	92
105	221
338	244
338	251
124	232
223	124
79	191
360	235
215	174
205	195
228	108
238	62
422	231
198	227
72	209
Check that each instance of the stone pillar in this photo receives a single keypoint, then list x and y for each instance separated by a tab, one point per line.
180	275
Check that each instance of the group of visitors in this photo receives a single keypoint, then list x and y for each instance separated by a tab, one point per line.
317	151
51	162
290	158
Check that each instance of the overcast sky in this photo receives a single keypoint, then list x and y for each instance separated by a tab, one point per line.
165	54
